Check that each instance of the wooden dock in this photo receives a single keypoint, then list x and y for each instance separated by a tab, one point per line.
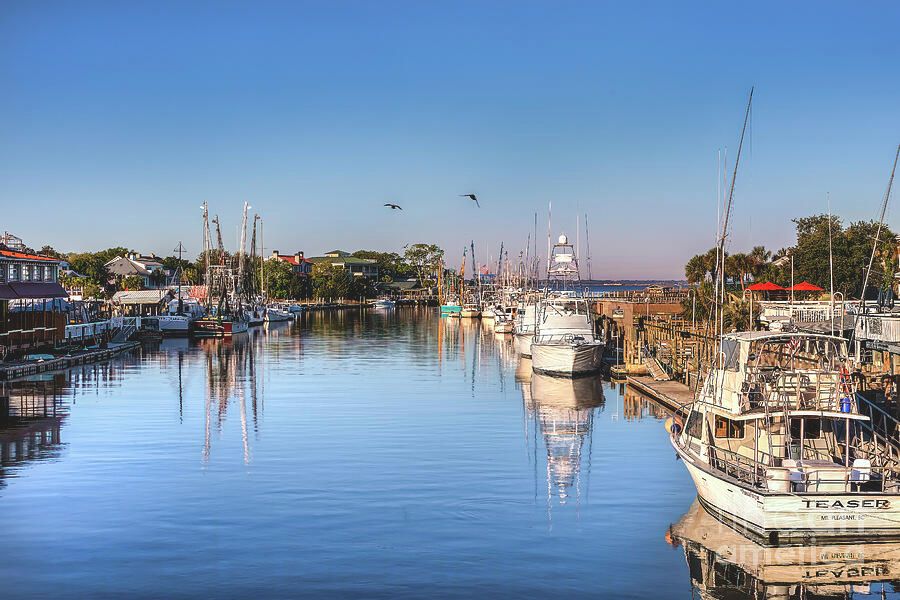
673	395
82	357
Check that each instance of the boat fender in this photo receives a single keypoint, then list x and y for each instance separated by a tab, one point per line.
673	425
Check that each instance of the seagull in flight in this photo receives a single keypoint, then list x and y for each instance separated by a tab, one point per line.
394	206
471	197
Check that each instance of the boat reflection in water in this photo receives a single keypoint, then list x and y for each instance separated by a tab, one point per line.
723	563
562	411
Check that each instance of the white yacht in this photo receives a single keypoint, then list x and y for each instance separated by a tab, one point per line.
564	342
779	444
384	303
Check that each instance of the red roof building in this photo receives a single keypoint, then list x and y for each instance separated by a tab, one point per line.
299	263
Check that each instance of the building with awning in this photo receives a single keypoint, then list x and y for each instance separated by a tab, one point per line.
133	303
29	284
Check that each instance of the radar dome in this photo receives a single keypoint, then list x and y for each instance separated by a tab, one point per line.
563	239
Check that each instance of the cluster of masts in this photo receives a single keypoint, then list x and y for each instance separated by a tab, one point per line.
237	278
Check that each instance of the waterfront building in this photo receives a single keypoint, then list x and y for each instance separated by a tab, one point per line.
299	263
29	316
134	303
360	267
149	268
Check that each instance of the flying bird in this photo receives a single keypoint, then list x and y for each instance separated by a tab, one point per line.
471	197
394	206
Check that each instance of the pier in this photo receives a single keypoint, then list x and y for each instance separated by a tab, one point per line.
672	395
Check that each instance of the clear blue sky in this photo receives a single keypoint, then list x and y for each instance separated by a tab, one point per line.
118	119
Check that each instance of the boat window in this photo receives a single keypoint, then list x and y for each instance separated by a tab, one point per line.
812	429
726	428
695	425
732	351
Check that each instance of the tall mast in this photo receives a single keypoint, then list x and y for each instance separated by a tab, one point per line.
180	251
242	251
727	213
207	250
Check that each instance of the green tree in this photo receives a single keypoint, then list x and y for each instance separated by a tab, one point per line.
391	265
425	259
131	283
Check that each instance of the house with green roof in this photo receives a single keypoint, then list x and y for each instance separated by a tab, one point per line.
359	267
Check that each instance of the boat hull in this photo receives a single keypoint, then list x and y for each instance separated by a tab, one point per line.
503	326
566	359
522	344
794	517
218	328
450	310
468	313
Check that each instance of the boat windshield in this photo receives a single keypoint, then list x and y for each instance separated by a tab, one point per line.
796	353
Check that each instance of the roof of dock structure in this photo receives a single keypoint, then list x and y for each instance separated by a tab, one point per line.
762	335
141	296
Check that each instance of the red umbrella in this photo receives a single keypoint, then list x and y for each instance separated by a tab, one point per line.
805	286
768	286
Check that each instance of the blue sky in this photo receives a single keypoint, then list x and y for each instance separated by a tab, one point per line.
119	119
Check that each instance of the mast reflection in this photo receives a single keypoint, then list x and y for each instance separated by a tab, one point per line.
562	411
231	374
724	563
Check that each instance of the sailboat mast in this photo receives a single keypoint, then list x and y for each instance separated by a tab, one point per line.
587	243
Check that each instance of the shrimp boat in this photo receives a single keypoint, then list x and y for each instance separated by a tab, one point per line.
564	343
778	443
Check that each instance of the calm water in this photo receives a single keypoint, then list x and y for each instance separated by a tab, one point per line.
384	454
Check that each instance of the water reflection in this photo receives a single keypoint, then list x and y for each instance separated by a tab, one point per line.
723	563
562	411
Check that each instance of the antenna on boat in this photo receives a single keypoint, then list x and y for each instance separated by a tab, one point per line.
831	265
549	235
587	242
884	205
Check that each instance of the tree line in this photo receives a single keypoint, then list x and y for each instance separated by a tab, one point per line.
850	248
278	278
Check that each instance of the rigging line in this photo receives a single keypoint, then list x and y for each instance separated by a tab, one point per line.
884	205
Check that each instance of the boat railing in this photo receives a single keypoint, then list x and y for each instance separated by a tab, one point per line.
794	390
564	338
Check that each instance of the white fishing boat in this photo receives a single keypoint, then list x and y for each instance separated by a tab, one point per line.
503	323
564	343
778	443
526	316
275	313
470	310
384	303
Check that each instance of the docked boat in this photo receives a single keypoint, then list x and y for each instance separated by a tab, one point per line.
384	303
564	342
219	326
470	310
450	309
277	314
526	316
503	324
778	443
